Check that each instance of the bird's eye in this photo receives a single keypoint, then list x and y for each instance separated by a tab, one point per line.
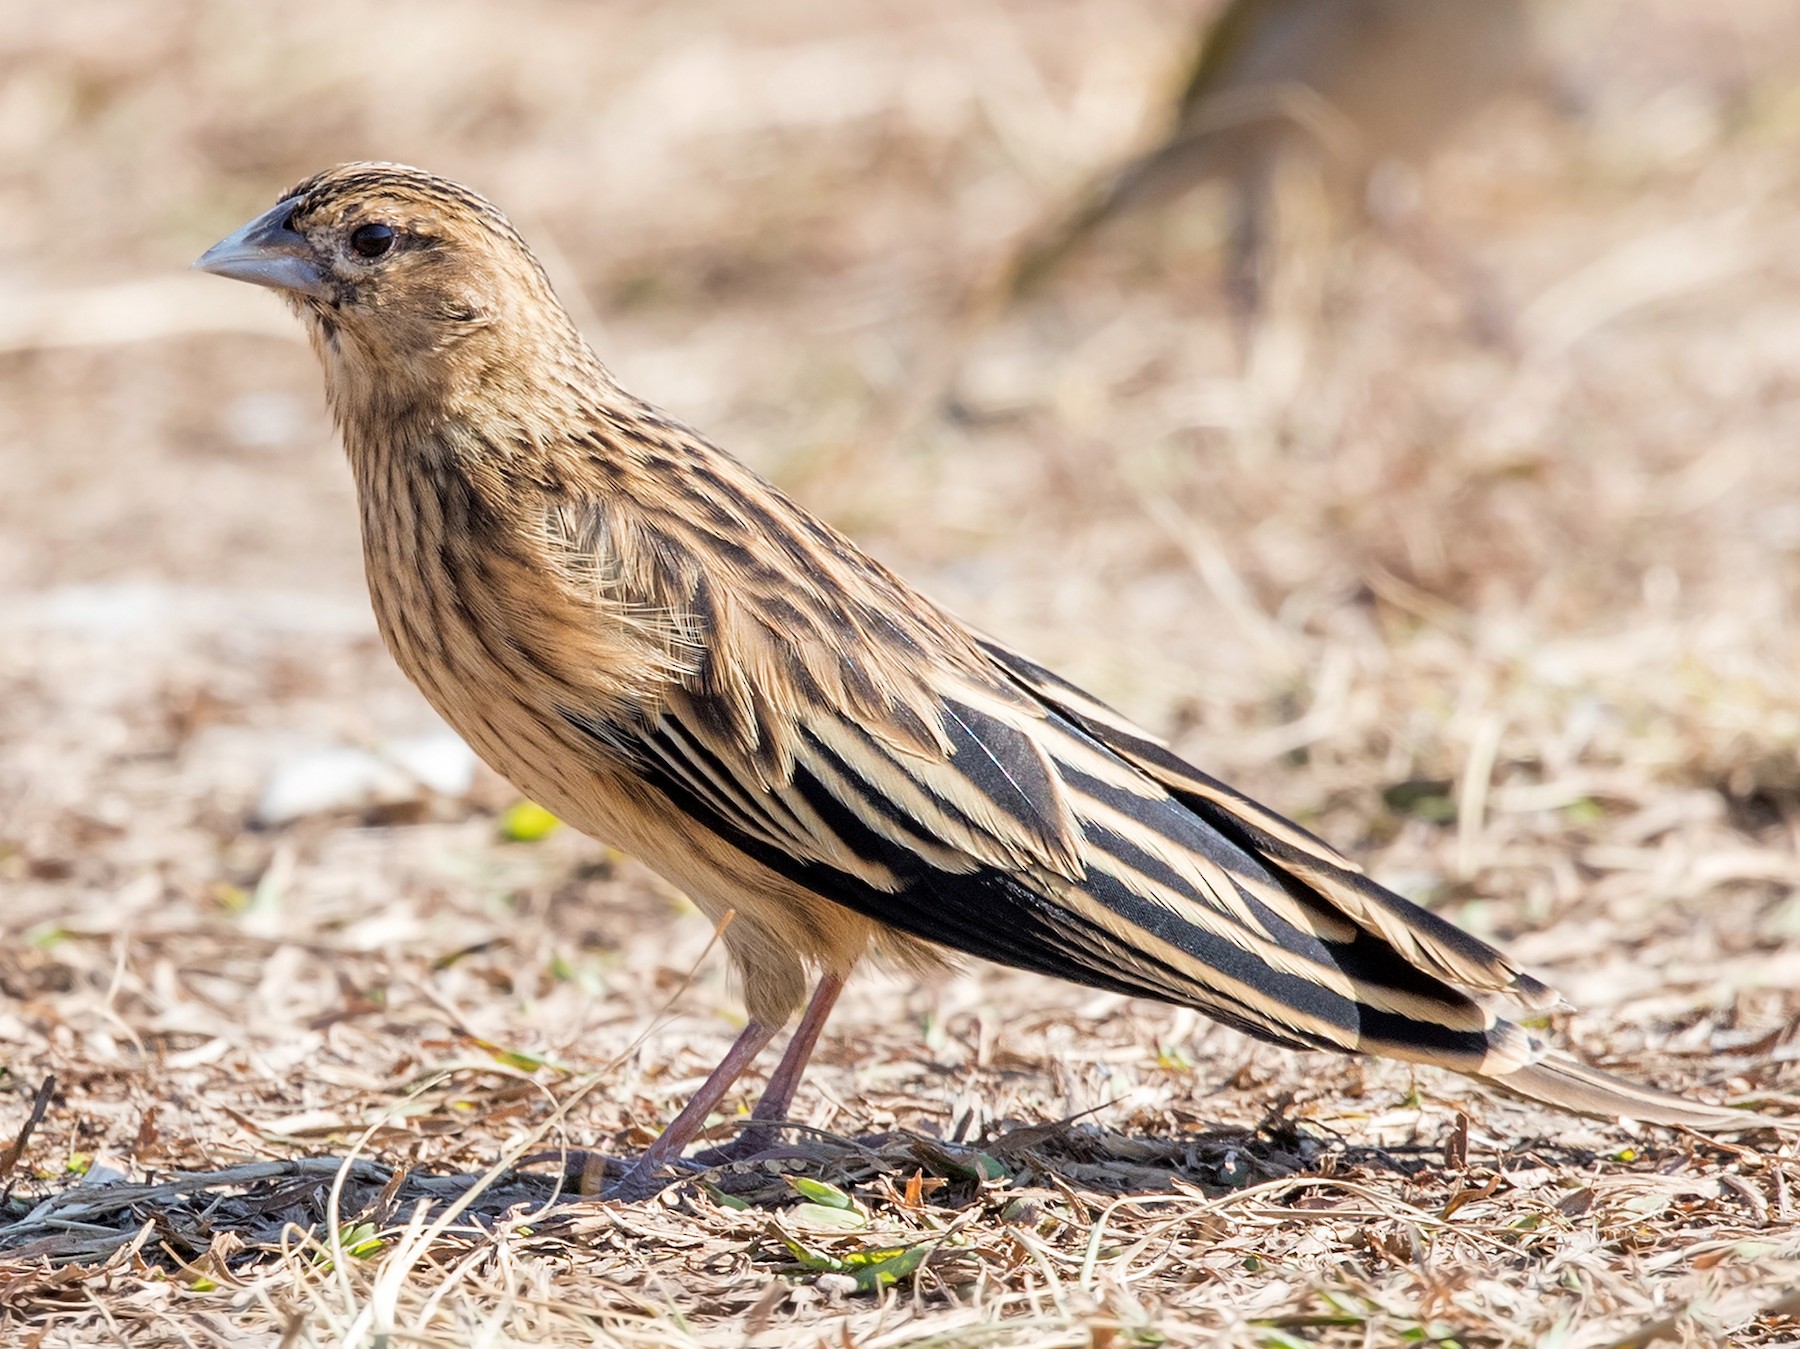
371	241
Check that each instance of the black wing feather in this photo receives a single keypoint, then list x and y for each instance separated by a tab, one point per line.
1094	931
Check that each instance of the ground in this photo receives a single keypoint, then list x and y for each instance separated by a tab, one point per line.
1512	620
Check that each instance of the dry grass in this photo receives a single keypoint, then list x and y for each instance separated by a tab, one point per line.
1516	626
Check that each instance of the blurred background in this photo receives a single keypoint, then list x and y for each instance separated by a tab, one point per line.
1439	489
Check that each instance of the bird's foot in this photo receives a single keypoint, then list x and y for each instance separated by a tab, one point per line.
746	1145
641	1182
651	1175
586	1173
583	1171
648	1176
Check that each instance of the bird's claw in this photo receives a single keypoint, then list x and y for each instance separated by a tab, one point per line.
638	1184
741	1149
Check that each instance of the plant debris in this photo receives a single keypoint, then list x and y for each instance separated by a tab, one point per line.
1512	625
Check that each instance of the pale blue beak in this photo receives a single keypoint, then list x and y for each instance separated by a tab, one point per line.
267	253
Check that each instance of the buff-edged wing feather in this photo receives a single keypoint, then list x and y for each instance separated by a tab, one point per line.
1418	934
868	748
842	732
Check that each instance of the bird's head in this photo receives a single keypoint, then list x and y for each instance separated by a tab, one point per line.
416	291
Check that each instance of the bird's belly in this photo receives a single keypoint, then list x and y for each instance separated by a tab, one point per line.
774	929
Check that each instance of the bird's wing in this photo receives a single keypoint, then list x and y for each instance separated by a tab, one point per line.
846	734
1299	856
976	813
819	712
834	727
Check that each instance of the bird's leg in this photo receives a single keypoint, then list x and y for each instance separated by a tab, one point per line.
785	1080
642	1180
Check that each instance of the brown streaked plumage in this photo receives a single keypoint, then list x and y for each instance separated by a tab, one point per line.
662	648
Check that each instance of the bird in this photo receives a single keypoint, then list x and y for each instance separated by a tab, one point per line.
1351	84
666	651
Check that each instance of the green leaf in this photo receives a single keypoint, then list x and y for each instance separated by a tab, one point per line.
580	971
875	1274
1586	810
932	1032
522	1059
527	822
47	937
359	1240
977	1166
834	1219
1280	1339
231	898
1345	1304
875	1255
722	1199
1439	1333
807	1258
821	1193
873	1269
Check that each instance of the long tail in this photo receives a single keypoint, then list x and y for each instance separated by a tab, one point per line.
1423	990
1568	1084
